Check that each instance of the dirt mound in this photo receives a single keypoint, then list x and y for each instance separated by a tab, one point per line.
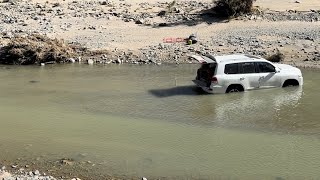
35	49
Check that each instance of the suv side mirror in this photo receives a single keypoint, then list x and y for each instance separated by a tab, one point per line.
277	70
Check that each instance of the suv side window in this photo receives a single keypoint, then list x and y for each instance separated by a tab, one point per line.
264	67
231	68
247	67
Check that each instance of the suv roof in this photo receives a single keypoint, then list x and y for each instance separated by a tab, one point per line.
234	58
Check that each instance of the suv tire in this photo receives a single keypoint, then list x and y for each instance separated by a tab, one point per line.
234	88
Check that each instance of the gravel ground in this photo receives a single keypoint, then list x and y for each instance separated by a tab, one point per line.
104	25
21	174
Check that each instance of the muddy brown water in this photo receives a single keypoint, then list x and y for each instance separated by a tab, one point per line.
151	121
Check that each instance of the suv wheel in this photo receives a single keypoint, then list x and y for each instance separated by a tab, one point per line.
234	88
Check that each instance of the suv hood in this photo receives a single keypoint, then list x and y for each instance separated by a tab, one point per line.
284	66
287	68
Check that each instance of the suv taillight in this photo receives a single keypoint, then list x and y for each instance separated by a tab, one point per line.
214	80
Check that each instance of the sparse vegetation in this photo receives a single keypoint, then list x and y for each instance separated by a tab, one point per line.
277	57
232	8
35	49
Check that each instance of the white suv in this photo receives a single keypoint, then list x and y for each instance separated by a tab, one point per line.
235	73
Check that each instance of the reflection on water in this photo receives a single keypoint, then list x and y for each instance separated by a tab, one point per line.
261	110
152	121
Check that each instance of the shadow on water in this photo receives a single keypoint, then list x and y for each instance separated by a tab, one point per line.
176	91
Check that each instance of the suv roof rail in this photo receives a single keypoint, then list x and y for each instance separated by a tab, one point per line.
252	56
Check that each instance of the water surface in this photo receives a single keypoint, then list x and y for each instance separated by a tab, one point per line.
151	121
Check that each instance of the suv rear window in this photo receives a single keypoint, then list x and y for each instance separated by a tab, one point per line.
231	68
240	68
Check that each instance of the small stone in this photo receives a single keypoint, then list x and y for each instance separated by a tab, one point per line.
27	166
8	35
143	178
42	64
66	162
118	61
104	3
72	60
14	166
90	61
36	172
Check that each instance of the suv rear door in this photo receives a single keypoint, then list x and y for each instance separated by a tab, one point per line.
249	74
242	73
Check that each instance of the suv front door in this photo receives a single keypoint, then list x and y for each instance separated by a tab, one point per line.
267	75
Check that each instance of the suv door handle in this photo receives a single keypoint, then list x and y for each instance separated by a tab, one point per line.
241	79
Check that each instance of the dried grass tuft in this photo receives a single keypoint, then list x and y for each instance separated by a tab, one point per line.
35	49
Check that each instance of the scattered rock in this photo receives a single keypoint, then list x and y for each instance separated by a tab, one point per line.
162	24
72	60
5	175
66	161
140	21
162	13
36	172
8	35
118	61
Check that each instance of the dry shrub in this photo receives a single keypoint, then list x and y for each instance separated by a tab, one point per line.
35	49
232	8
277	57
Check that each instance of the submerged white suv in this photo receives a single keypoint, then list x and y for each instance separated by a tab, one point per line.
235	73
